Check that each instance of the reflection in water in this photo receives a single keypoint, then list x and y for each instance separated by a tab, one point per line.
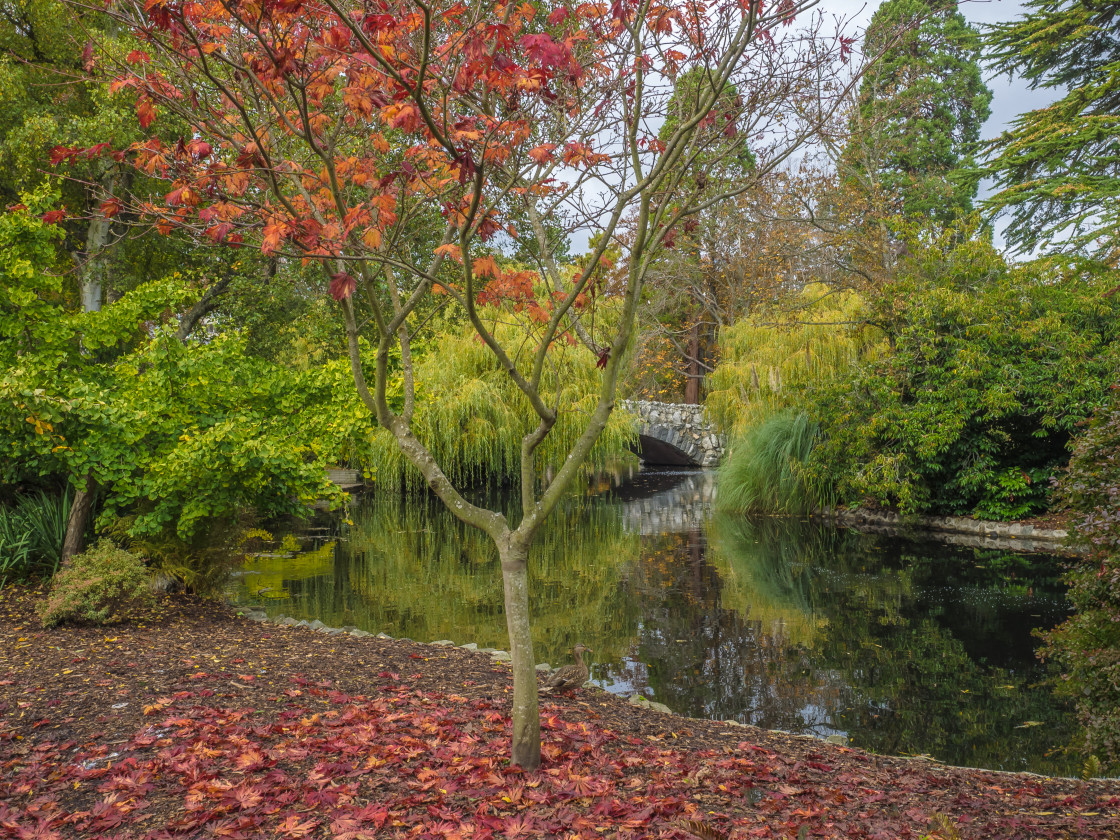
785	624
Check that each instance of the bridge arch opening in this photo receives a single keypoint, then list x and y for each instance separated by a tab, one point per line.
660	452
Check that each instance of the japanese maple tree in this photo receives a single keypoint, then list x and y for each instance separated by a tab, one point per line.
328	130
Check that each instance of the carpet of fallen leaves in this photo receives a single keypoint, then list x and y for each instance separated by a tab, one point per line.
192	722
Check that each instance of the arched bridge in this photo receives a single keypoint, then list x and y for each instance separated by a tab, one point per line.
675	434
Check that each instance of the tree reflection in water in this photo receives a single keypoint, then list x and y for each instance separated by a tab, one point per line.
784	624
802	627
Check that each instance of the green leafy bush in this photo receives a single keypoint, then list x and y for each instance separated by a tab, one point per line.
991	369
173	433
1087	646
99	586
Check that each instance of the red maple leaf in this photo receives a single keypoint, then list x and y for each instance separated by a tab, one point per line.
545	51
145	111
342	285
349	828
294	828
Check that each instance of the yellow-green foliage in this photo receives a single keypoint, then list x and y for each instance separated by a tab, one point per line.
99	586
765	357
775	570
472	416
763	590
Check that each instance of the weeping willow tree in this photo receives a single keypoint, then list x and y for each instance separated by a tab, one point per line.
767	360
473	418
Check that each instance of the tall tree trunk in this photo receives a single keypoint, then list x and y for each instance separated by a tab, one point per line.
692	384
526	750
92	273
79	517
93	266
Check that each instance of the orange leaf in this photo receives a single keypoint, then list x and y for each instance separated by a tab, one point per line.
450	250
485	267
372	238
542	154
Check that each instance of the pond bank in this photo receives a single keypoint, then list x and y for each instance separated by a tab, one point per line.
191	720
957	530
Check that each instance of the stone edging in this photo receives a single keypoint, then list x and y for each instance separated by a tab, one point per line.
254	614
957	529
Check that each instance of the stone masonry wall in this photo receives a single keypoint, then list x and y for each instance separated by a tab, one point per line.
683	426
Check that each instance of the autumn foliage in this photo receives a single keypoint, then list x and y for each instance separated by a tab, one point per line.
194	724
401	145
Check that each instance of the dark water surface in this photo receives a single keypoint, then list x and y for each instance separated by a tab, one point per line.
904	647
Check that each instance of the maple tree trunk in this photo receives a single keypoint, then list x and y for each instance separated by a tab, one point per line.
525	714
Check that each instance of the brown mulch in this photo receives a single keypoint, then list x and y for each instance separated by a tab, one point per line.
86	712
1061	520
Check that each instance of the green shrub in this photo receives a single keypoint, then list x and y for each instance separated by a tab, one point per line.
992	367
1087	646
99	586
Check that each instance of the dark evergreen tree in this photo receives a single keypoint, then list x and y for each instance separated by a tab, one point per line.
920	109
1057	170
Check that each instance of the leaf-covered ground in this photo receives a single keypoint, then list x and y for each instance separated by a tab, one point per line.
196	723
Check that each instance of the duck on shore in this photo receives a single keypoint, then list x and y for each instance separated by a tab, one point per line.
570	676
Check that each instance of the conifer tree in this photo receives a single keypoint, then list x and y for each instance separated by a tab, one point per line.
1057	170
920	109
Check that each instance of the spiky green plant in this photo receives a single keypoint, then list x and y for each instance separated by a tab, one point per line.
45	517
31	536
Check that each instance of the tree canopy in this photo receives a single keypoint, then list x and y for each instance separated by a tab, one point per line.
328	132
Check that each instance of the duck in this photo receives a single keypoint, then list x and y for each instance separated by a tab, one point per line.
570	676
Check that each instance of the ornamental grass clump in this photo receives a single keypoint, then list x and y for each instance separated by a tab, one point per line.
99	586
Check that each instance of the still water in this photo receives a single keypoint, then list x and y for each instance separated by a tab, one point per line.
906	648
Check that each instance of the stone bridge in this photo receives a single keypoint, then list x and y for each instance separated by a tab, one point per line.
674	434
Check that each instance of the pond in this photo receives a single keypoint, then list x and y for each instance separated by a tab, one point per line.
905	648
